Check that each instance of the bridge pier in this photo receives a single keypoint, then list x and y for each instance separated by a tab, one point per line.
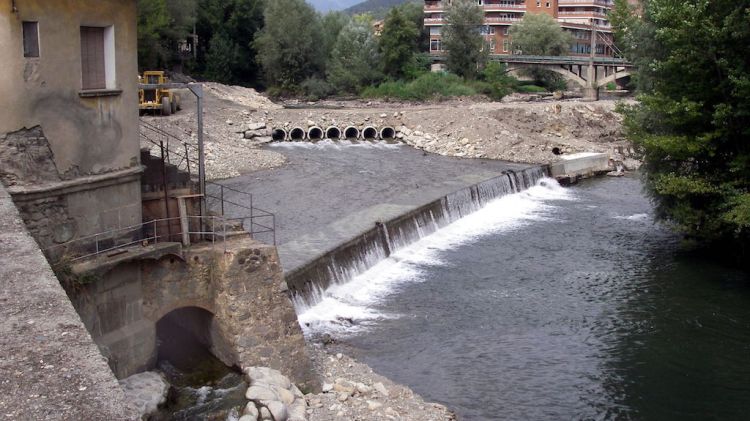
590	94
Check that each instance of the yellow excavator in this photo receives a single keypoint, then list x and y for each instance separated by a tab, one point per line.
157	100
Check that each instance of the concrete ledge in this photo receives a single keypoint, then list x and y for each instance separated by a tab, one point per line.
580	165
49	365
90	182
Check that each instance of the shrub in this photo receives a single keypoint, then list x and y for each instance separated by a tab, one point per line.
316	88
531	89
426	86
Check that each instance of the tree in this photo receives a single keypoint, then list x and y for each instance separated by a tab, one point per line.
354	60
539	34
234	23
462	38
398	42
332	24
288	45
692	122
161	25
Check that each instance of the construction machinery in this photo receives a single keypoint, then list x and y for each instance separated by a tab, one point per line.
157	100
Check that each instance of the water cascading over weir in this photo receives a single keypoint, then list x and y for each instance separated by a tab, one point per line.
339	265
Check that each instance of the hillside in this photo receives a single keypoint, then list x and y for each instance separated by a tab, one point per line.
325	6
378	8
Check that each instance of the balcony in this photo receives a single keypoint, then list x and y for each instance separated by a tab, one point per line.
583	14
495	7
599	3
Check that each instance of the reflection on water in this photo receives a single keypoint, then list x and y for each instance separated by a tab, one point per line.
581	307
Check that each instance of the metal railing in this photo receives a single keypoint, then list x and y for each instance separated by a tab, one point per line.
202	228
176	151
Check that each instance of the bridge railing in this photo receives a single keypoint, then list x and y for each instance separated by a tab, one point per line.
113	242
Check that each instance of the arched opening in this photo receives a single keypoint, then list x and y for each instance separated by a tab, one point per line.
297	134
278	135
351	133
387	133
333	132
369	133
202	387
315	133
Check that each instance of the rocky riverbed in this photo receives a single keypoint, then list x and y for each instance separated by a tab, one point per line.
528	129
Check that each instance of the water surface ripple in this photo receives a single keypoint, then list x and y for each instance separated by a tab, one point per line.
554	305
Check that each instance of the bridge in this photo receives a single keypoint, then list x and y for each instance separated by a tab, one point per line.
590	73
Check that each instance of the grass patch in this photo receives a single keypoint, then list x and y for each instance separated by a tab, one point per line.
427	86
531	89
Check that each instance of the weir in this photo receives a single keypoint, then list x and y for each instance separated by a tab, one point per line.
339	265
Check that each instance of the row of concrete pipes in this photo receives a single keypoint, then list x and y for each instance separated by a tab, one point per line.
350	133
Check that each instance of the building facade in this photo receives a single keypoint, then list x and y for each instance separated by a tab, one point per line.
69	137
579	17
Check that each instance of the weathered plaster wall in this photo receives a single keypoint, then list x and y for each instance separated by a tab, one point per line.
69	160
254	322
86	135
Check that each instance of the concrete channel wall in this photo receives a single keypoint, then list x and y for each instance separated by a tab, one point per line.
49	364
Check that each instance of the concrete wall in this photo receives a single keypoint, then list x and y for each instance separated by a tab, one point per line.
580	165
254	321
51	368
70	158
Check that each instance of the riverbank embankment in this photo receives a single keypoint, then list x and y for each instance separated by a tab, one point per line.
532	132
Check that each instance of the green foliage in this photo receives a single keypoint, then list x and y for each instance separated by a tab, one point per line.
398	42
427	86
316	88
692	122
531	89
332	24
354	59
380	8
234	23
161	25
539	34
499	82
462	39
611	86
289	44
418	64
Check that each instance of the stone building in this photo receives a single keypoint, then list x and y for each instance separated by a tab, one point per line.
69	142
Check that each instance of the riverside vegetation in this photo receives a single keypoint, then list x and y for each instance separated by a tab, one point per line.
248	42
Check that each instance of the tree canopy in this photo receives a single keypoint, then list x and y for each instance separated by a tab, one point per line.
692	121
539	34
354	58
462	38
289	44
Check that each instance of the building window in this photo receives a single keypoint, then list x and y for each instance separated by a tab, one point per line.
487	30
434	30
539	4
436	45
493	44
31	39
548	5
506	45
97	57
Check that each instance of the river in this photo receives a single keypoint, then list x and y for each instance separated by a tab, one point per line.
553	304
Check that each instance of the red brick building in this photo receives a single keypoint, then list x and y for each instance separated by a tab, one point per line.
578	17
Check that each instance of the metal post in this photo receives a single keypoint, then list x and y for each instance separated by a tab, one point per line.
156	235
222	199
166	192
187	159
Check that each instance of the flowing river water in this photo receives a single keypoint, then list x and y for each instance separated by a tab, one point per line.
555	303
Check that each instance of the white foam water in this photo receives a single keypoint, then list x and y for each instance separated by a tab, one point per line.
349	307
336	144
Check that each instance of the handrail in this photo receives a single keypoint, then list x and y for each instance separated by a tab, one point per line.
146	233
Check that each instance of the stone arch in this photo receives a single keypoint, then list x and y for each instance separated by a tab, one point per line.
613	77
194	324
567	74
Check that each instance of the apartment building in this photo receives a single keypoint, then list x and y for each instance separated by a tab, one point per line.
579	17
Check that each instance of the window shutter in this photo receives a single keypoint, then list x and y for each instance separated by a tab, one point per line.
92	58
30	39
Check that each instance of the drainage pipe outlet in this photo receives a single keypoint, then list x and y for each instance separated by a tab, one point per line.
278	135
333	132
387	133
296	134
351	133
369	133
315	133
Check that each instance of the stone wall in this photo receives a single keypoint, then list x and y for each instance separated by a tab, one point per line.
254	322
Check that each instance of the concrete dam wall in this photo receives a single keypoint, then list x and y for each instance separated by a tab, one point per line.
339	265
